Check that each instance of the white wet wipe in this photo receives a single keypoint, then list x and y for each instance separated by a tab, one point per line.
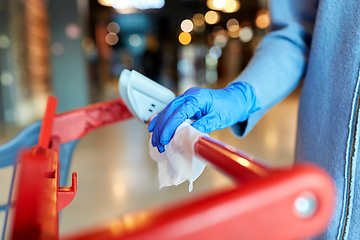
178	163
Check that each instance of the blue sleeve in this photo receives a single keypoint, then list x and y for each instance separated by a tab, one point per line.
280	60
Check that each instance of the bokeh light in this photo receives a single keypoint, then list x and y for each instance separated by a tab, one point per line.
121	5
6	78
88	44
111	38
211	76
220	40
211	63
126	11
227	6
198	19
135	40
4	41
142	5
234	34
184	66
187	25
215	52
246	34
231	6
263	19
113	27
184	38
107	3
57	48
219	3
210	4
232	25
212	17
72	31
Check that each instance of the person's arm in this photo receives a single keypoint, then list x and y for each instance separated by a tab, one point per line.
280	60
275	70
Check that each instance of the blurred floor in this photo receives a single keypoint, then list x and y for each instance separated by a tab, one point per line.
116	174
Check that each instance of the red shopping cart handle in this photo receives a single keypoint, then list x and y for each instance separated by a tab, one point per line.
75	124
292	203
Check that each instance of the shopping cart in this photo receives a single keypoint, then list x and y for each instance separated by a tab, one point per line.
68	127
289	203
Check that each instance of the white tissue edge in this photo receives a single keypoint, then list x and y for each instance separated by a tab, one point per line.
196	161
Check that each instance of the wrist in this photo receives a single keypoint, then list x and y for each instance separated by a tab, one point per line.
248	101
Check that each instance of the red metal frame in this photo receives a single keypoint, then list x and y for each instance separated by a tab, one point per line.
47	122
260	207
39	196
263	208
73	125
36	215
239	165
67	194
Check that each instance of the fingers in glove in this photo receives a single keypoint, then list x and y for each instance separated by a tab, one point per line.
160	122
152	124
185	111
207	123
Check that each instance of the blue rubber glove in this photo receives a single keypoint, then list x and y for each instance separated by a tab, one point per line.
211	109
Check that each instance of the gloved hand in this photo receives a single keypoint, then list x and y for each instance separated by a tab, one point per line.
211	109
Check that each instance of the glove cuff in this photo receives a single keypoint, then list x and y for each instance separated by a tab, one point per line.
247	95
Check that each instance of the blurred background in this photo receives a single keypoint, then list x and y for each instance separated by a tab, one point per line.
76	49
